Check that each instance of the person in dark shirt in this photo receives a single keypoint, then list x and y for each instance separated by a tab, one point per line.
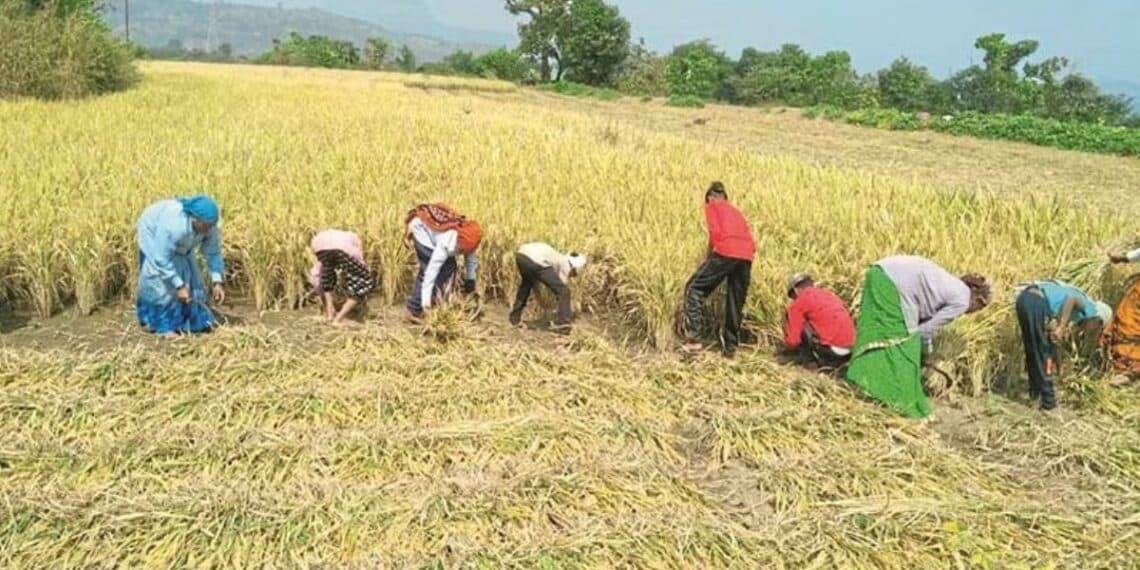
817	325
731	250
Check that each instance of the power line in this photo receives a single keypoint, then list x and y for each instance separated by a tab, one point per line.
211	27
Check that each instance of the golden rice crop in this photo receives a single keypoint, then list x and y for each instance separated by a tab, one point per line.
463	444
378	448
288	152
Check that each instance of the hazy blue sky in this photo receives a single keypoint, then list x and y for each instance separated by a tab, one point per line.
1102	37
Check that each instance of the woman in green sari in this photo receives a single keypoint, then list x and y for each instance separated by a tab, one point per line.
906	300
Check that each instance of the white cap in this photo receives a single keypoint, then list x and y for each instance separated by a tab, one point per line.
577	261
1104	312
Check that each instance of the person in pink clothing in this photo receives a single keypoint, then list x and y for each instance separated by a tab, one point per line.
340	260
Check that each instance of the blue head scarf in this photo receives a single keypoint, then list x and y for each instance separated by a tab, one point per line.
202	207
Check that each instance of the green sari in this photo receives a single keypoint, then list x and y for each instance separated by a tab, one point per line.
887	360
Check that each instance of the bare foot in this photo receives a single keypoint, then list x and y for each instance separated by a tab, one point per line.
1120	380
692	347
343	324
170	336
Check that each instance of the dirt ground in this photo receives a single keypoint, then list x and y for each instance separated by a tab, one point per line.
114	326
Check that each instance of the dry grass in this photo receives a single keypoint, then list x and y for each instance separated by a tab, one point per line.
1106	183
262	447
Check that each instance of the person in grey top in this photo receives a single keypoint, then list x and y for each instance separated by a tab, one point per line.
931	297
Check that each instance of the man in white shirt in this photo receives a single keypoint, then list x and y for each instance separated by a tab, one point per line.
539	262
436	252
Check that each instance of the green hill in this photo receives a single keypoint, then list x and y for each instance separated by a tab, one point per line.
407	16
250	30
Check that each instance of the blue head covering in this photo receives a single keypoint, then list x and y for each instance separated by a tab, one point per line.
202	207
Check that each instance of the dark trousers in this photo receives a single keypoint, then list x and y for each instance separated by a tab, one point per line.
446	274
532	274
1032	317
812	351
710	274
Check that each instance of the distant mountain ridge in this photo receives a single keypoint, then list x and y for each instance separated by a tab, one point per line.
406	16
250	27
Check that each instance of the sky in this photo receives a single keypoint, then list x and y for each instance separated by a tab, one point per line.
1102	42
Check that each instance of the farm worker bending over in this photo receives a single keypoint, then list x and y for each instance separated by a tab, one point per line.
171	298
1122	336
339	253
541	263
906	300
731	250
1044	311
438	234
817	324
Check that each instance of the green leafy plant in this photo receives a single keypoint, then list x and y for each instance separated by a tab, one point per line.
685	101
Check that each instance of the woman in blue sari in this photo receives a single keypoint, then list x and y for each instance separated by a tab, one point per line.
171	298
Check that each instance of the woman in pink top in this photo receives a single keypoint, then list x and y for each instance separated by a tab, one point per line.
340	260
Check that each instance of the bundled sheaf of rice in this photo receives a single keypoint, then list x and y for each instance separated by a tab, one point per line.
1098	276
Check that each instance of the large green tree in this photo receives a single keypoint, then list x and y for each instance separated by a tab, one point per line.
375	52
697	69
910	87
596	44
1009	83
406	59
541	34
996	86
583	40
795	77
644	72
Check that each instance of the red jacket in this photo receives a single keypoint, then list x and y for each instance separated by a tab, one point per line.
826	314
729	235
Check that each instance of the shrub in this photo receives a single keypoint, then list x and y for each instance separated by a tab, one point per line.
503	64
571	89
891	119
697	69
1067	135
1087	137
312	51
685	101
52	54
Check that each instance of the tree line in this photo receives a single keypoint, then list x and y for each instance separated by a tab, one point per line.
589	42
586	42
295	49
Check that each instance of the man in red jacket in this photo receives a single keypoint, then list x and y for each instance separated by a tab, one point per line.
731	250
818	324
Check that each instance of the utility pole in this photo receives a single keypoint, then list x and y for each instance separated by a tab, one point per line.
211	26
127	18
